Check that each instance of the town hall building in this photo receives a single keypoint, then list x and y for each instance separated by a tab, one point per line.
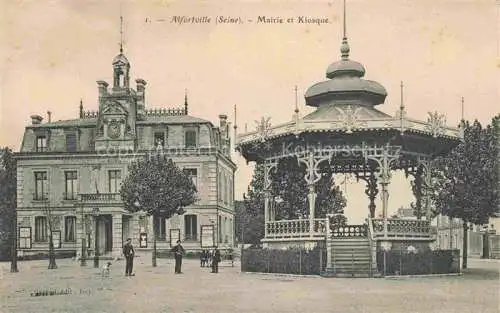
69	174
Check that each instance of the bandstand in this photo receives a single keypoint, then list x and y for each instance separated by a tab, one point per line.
348	134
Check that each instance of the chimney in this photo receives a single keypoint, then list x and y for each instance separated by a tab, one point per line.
102	86
141	84
36	119
222	121
141	94
223	125
49	115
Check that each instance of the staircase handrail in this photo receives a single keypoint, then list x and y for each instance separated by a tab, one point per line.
373	248
370	229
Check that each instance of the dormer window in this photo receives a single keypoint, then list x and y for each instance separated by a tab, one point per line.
71	142
190	138
41	143
159	139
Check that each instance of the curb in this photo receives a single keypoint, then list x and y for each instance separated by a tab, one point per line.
282	275
422	276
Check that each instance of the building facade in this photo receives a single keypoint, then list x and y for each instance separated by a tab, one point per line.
69	174
483	241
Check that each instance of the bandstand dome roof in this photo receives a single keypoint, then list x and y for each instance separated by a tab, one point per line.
345	114
345	67
345	82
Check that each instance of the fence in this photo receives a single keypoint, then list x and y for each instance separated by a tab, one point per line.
291	261
422	263
495	246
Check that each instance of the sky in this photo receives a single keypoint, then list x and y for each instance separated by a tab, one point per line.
53	52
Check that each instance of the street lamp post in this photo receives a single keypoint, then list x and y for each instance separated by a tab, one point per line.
95	212
83	257
386	247
13	264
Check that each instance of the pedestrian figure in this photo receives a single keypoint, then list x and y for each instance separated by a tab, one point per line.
178	251
208	258
215	261
203	258
128	252
231	257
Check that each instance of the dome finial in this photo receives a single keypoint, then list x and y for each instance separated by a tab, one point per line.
121	34
344	48
185	101
402	105
296	101
463	105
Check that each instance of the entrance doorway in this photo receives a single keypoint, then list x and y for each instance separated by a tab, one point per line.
105	233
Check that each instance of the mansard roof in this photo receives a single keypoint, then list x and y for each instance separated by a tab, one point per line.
148	120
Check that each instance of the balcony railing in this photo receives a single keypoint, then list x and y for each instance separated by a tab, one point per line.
291	229
40	196
100	197
400	228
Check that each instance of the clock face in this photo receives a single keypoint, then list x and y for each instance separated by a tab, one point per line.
114	130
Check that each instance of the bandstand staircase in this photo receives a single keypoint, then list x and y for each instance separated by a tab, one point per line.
349	252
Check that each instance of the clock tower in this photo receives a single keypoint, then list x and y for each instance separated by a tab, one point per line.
116	125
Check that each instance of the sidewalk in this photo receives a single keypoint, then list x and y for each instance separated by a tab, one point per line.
158	289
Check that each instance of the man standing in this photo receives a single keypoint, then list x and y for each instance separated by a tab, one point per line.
178	251
215	261
128	252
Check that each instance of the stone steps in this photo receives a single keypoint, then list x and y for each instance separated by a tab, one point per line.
349	257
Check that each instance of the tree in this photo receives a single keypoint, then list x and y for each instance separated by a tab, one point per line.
53	222
253	208
465	181
8	214
157	186
330	199
288	183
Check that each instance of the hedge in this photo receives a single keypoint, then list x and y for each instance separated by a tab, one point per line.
425	262
290	261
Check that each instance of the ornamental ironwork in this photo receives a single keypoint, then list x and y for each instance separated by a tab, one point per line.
349	119
263	128
436	123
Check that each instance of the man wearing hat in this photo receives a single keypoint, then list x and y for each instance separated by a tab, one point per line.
128	252
178	251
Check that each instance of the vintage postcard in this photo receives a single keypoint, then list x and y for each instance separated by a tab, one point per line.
250	156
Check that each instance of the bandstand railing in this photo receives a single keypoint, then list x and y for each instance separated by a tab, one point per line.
401	228
350	231
300	228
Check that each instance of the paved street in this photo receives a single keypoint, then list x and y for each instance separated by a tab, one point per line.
197	290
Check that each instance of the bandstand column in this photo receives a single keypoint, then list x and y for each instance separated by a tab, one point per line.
384	183
311	177
385	179
312	203
427	193
267	196
371	189
384	157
